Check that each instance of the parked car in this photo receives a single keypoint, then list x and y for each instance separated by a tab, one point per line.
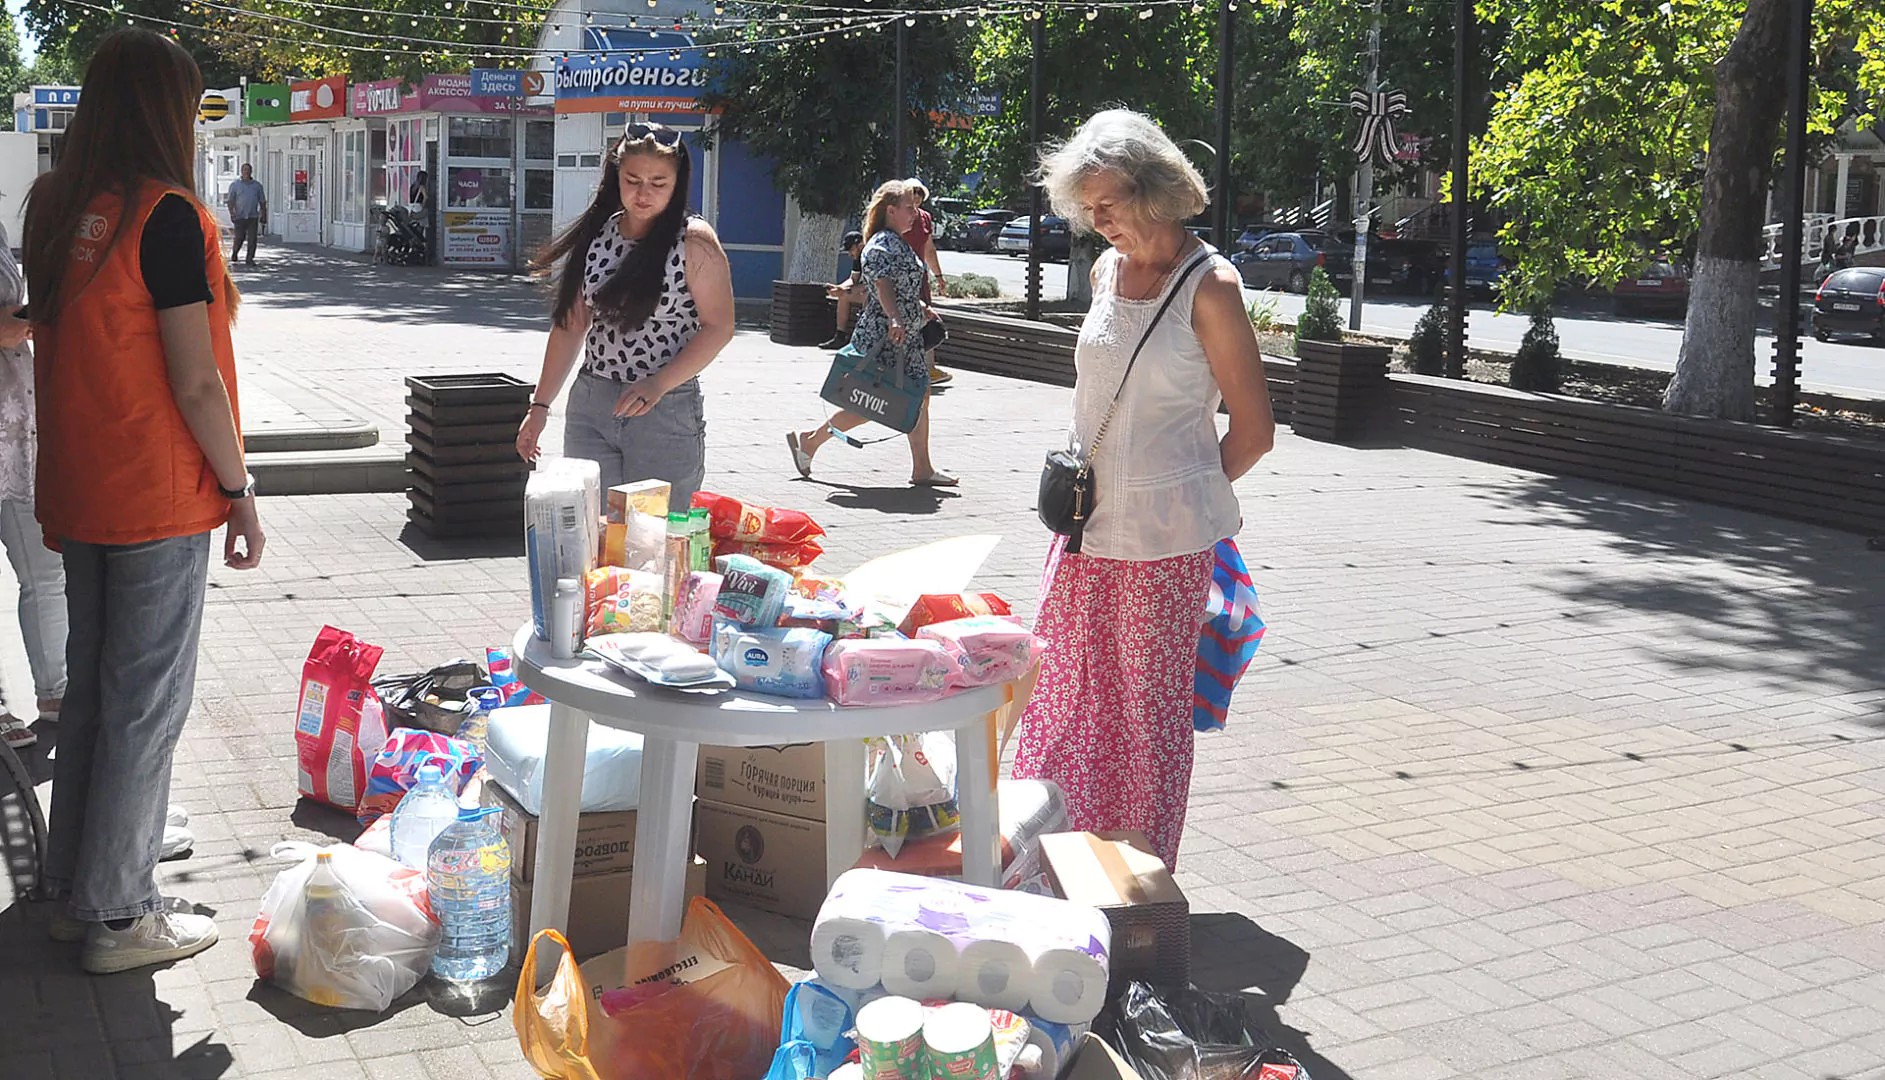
1485	268
1247	238
1851	301
981	227
1056	237
1285	261
1415	267
1660	286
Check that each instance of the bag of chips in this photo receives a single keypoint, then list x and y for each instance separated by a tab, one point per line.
735	520
623	601
790	556
942	607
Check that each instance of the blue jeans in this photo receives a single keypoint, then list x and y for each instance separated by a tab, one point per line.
136	614
42	602
667	443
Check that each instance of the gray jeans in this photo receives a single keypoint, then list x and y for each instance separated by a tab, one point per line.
668	443
42	601
136	613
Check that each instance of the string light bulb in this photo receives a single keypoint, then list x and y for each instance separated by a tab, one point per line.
1092	13
1145	13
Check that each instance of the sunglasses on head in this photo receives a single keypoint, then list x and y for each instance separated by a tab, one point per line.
663	135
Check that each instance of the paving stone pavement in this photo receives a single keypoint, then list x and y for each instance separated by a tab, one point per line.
1533	778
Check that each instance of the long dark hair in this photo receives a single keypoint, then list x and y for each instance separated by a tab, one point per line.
635	289
135	125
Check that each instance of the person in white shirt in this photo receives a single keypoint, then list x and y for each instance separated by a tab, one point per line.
1110	720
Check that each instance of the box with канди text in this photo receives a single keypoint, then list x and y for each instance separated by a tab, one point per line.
773	862
787	780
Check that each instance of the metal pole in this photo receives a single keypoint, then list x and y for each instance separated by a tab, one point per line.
1793	214
1456	296
1226	75
1037	120
1364	209
901	100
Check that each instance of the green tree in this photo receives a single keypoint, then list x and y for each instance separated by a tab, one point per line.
1426	347
1538	366
823	111
1321	318
1634	130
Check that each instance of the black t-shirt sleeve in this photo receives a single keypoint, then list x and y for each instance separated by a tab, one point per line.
170	253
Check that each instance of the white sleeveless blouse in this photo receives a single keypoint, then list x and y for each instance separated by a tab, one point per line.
1160	488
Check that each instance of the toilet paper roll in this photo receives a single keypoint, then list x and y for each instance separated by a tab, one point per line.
890	1039
1054	1041
850	1070
960	1043
823	1014
1068	986
921	964
848	953
995	974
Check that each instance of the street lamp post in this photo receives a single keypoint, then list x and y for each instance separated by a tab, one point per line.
1226	69
901	100
1037	119
1456	295
1364	180
1787	301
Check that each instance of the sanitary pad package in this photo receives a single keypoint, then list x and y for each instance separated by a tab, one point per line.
987	649
887	671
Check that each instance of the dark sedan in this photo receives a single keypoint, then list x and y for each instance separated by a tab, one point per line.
1286	260
1851	301
1056	237
981	227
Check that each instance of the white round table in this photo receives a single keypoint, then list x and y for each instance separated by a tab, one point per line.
674	725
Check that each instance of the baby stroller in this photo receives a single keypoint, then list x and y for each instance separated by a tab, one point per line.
402	239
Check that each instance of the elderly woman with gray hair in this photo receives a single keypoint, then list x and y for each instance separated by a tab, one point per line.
1111	718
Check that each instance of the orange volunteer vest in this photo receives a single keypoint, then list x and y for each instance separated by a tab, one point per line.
117	462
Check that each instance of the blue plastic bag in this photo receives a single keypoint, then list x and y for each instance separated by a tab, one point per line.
814	1035
1233	629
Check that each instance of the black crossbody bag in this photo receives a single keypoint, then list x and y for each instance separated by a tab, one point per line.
1066	495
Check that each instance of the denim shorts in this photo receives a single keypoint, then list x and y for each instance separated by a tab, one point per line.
667	443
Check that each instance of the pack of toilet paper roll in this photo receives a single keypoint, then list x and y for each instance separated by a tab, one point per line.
936	939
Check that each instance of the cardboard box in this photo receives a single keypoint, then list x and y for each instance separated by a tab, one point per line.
598	911
1092	1059
786	779
770	861
1117	873
605	843
644	496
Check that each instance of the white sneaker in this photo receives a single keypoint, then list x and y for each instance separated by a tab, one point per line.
67	930
176	817
157	938
177	843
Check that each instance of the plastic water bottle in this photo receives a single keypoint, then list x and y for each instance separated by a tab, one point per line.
422	814
469	875
327	961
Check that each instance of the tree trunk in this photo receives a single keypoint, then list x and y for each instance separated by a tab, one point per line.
815	253
1086	251
1715	370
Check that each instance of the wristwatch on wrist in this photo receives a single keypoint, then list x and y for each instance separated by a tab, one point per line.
245	492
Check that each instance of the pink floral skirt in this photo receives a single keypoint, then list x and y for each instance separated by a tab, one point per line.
1110	721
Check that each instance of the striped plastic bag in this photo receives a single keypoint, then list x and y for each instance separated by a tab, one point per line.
1233	628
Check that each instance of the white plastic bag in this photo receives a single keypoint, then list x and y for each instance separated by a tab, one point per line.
363	948
913	789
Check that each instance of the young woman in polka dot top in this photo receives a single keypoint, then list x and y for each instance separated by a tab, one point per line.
645	299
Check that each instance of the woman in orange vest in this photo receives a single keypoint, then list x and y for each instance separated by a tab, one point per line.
140	459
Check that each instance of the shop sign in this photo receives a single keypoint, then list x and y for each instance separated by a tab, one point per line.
55	95
477	238
497	82
632	71
320	99
379	98
453	93
266	103
220	109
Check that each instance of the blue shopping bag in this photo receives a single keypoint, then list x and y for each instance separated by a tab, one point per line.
1233	629
875	389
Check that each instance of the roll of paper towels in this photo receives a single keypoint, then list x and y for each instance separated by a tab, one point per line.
996	975
921	964
1054	1041
848	952
1068	985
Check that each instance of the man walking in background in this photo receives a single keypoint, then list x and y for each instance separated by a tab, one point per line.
248	211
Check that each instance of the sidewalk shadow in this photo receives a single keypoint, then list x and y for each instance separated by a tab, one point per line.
1809	608
908	499
327	820
1233	955
312	280
433	549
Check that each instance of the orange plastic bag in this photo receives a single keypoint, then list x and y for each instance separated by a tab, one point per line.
720	1022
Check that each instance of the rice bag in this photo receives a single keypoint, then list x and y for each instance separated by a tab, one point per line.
773	660
693	612
620	601
912	789
886	671
943	607
752	594
987	649
784	556
735	520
